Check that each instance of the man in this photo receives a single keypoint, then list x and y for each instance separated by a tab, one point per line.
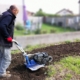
6	35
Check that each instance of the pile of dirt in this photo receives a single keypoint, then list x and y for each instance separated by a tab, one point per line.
19	71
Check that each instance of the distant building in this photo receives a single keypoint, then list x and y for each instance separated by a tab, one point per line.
30	13
64	12
64	21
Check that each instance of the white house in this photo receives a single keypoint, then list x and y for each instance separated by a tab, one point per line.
64	12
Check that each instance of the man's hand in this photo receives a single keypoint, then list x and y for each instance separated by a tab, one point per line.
9	39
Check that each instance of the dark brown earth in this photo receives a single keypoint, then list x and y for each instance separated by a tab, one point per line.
19	71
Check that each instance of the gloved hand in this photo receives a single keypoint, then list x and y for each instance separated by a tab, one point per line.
9	39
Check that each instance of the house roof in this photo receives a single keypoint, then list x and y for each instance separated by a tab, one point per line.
66	10
30	12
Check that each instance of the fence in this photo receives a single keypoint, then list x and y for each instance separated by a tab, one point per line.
64	21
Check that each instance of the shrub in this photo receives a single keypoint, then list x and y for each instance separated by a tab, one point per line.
52	31
37	31
19	27
44	32
67	41
77	40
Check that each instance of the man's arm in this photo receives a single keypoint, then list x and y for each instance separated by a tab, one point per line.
3	26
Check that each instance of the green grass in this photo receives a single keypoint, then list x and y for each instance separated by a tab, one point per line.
68	76
51	71
30	48
67	41
45	29
19	32
72	63
76	40
15	51
57	29
67	68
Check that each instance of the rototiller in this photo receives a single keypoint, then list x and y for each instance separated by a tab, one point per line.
34	61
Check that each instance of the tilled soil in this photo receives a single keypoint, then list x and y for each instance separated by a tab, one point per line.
19	71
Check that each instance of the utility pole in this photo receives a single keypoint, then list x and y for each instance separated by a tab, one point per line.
24	12
26	21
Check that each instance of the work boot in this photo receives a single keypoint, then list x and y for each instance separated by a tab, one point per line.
5	75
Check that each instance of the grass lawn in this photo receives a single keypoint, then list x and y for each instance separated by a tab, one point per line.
57	29
68	68
19	32
45	29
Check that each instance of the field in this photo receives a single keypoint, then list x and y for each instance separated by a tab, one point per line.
56	29
65	64
46	29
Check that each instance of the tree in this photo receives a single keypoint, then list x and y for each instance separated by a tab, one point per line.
40	13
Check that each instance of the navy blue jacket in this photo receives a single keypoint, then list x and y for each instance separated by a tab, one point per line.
6	28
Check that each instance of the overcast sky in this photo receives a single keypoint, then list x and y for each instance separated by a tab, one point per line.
49	6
